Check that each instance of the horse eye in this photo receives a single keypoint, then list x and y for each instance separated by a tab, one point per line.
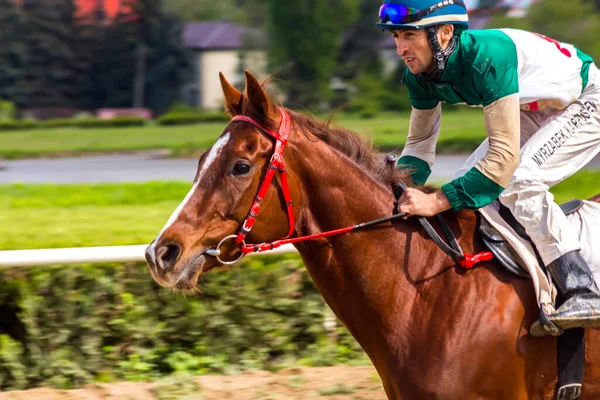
241	168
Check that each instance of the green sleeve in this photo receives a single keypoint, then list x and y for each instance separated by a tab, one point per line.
418	168
494	68
472	190
417	92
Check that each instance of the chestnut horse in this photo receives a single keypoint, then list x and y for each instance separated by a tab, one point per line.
432	329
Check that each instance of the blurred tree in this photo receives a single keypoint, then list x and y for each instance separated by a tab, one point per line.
87	43
142	58
255	13
169	65
359	64
50	59
166	59
572	21
53	51
11	52
305	38
246	12
83	39
205	10
359	52
113	69
47	54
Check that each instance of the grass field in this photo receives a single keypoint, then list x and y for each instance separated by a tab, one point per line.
461	131
41	216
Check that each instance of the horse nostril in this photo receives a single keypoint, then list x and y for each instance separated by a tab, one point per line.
167	255
149	255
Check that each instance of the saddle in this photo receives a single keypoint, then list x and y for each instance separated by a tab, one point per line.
501	248
571	344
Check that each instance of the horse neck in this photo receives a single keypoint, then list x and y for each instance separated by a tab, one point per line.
389	285
360	275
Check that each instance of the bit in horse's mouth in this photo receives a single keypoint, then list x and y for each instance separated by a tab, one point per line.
190	272
185	276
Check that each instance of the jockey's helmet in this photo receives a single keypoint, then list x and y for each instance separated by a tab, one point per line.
427	15
416	14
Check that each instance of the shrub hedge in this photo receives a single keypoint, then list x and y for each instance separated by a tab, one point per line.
67	326
91	122
115	122
186	118
174	118
16	125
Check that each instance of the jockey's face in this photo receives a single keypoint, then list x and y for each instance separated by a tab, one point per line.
414	47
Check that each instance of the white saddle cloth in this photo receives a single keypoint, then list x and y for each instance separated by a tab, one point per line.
586	221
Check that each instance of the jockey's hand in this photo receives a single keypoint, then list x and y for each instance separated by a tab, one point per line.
415	202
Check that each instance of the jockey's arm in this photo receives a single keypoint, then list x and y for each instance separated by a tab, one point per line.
491	80
483	183
419	150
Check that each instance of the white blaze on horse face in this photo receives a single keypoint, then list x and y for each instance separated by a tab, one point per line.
214	153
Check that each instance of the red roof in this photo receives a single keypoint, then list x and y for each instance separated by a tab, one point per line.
111	7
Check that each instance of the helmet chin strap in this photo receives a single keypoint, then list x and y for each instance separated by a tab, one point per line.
439	56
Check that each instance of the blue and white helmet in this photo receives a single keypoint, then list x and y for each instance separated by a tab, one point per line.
416	14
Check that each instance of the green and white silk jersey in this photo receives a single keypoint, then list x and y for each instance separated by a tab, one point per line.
490	64
503	71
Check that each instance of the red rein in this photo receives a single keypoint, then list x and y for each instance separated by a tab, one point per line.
277	165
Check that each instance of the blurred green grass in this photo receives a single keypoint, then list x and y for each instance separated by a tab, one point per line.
53	216
462	131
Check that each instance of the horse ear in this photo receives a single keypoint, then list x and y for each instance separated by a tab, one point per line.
232	98
257	96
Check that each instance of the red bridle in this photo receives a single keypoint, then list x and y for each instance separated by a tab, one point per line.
276	164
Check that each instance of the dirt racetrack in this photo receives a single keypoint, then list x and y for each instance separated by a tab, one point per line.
332	383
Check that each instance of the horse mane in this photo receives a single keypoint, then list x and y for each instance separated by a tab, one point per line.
358	149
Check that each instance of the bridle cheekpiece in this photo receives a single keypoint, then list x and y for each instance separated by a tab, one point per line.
275	165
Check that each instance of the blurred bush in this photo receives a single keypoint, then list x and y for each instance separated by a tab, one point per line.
60	122
67	326
16	125
8	110
374	94
89	122
367	102
192	117
396	100
106	123
180	108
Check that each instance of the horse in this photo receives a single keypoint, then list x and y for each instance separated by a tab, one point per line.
432	329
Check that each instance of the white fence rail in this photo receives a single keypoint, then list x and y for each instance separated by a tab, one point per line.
87	255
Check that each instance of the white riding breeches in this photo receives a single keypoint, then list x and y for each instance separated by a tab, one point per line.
555	144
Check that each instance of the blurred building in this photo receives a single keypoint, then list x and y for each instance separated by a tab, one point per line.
230	48
221	47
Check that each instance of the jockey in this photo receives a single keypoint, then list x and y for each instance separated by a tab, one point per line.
541	104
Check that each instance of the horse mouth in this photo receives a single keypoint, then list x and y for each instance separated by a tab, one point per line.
185	276
190	272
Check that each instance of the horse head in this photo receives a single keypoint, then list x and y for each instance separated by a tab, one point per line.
225	186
